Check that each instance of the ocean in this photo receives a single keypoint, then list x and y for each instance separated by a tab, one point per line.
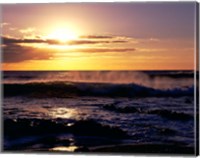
99	111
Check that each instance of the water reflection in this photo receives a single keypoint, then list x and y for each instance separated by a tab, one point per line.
61	112
64	148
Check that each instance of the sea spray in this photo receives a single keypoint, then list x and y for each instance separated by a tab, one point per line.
156	80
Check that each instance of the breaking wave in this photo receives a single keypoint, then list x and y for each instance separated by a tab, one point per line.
75	89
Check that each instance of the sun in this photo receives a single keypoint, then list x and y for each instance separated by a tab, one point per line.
62	35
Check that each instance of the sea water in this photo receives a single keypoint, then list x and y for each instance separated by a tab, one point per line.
67	110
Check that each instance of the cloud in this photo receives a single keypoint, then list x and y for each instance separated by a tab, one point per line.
12	28
111	39
27	30
80	42
95	52
9	40
154	39
13	53
152	49
96	37
119	41
103	50
4	24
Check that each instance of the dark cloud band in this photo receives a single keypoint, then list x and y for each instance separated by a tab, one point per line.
8	40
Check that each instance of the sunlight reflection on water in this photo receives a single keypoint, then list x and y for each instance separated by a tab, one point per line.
63	148
63	113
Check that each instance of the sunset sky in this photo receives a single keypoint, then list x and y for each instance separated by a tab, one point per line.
98	36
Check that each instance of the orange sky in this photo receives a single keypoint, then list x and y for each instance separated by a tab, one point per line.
98	36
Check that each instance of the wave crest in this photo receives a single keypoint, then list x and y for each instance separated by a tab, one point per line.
71	89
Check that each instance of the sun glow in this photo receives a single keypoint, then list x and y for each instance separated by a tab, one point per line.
63	35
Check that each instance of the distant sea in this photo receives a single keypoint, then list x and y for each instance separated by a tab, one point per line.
98	111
